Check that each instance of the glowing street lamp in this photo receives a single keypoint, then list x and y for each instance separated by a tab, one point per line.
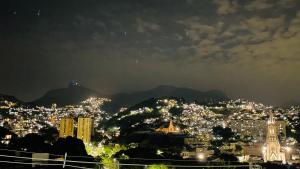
200	156
159	152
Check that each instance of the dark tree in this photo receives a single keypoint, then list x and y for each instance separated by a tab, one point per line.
50	134
71	145
238	148
216	143
176	111
228	157
74	148
225	133
33	143
3	133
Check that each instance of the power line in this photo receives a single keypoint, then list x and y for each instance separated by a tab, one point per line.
44	164
28	152
82	156
43	159
156	159
17	162
86	162
192	166
138	165
124	164
77	167
31	152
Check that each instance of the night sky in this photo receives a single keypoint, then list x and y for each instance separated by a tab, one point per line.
248	49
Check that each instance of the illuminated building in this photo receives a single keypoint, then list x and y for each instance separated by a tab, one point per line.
252	150
52	119
66	127
199	153
84	129
170	129
249	127
272	149
6	139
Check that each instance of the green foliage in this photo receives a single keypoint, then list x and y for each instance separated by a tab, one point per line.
157	166
89	149
108	151
109	163
107	154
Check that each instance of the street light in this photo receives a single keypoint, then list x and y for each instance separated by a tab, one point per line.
200	156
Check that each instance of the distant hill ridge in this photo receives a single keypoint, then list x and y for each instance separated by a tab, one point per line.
74	94
4	97
189	95
66	96
290	103
10	98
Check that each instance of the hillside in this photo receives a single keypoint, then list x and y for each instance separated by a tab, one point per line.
189	95
132	119
66	96
75	94
4	99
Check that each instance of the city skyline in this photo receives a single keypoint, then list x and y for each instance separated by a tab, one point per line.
245	131
152	84
248	49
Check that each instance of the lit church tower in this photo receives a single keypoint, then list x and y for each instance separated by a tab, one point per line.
271	150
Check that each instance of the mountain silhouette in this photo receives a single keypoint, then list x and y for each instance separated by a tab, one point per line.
189	95
66	96
10	98
76	94
290	104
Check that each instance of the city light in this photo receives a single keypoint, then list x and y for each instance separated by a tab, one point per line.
200	156
150	84
288	149
264	149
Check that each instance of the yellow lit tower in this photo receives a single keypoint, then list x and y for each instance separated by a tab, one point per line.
272	148
84	129
66	127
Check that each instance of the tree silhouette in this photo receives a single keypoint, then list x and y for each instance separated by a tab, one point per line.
32	142
70	145
225	133
50	134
